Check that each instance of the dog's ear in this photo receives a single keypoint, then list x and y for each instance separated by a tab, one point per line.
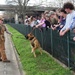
31	33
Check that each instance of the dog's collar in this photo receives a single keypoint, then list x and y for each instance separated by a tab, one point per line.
31	38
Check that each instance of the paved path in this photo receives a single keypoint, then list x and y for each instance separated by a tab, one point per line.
11	68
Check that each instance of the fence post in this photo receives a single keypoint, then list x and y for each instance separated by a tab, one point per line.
68	48
51	42
42	38
26	30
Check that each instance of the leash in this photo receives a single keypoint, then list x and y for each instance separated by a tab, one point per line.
35	28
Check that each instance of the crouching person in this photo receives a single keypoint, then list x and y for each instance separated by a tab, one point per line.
2	42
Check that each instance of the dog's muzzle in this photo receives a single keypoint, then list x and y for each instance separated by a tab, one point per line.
26	37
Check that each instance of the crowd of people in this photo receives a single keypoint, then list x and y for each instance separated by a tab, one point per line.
62	19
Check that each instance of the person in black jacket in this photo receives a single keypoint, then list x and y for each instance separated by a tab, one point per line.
47	21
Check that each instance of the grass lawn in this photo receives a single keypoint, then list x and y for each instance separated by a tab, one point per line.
42	64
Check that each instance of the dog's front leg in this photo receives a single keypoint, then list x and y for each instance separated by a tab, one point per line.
32	49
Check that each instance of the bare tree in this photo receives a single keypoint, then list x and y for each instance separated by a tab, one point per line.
8	14
21	6
39	3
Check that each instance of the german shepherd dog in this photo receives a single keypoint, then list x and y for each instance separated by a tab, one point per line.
34	43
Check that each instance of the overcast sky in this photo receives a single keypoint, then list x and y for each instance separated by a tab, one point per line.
39	1
31	1
2	1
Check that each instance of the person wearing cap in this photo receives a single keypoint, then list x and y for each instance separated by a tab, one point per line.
70	19
2	41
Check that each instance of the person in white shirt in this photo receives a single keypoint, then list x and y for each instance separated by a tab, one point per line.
26	20
70	19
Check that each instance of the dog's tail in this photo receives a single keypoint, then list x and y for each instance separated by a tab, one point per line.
40	50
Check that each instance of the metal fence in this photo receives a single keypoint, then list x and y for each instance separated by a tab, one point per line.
62	48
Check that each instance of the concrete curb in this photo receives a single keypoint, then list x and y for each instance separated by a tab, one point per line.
17	58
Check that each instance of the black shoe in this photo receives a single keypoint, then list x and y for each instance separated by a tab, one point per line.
0	59
6	61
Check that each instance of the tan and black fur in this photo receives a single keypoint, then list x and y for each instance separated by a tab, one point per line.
34	43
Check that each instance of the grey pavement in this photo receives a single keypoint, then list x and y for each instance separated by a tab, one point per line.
14	67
